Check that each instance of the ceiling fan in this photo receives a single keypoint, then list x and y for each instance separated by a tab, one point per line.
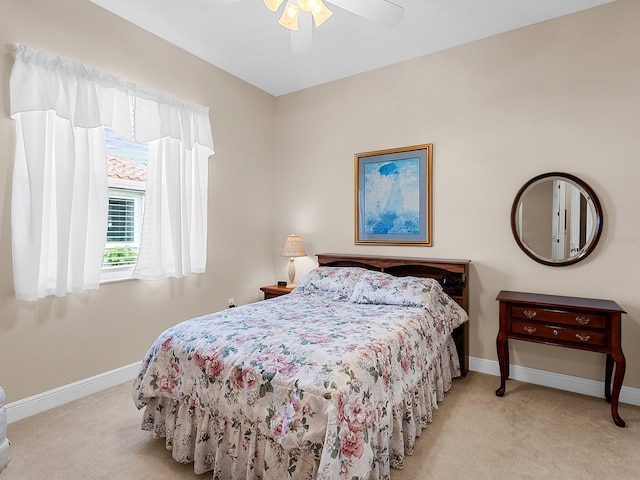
381	12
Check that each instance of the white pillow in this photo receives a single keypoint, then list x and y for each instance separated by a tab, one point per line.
337	280
382	288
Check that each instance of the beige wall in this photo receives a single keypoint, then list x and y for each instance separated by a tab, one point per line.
54	342
560	95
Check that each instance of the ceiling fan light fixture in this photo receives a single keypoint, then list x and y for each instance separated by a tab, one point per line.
273	5
307	5
320	12
289	18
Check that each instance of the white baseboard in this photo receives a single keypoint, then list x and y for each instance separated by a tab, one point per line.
59	396
560	381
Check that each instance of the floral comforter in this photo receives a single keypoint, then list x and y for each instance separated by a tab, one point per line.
309	385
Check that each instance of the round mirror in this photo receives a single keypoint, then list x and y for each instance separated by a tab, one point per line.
556	219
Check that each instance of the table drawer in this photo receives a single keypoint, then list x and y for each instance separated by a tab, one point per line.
559	317
559	334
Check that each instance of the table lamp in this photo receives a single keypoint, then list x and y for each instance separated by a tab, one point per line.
292	248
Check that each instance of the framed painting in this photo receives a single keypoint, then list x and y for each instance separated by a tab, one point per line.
393	196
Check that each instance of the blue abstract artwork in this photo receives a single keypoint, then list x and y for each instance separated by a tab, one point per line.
392	197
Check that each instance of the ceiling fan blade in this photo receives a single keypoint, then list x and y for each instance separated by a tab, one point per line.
381	12
302	38
207	4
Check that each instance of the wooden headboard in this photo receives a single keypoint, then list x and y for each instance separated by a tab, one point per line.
453	275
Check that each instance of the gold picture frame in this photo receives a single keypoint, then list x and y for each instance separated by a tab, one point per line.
393	196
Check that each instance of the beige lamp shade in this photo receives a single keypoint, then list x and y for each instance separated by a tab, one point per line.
292	248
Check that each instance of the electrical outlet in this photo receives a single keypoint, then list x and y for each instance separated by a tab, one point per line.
232	302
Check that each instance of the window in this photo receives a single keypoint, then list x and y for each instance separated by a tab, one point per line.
124	227
58	204
127	170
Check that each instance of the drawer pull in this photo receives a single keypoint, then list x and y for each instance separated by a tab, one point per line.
583	338
555	332
530	313
530	330
582	320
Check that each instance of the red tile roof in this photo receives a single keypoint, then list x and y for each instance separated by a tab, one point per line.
126	169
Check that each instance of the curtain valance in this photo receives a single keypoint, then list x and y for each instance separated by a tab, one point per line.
90	98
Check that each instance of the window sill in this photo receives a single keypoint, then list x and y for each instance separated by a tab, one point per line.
116	274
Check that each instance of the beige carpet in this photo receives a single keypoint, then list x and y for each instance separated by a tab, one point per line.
531	433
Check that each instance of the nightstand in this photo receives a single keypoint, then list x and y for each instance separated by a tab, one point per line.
273	291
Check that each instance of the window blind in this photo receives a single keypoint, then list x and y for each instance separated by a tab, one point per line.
124	228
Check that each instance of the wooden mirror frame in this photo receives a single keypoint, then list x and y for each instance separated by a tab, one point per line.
592	200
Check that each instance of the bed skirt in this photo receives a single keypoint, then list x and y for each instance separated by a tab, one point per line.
234	449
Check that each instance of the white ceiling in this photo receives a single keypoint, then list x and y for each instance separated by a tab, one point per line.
245	39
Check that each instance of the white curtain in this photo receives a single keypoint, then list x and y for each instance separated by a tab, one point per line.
174	228
59	193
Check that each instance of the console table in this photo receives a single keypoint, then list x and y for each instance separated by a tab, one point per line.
582	323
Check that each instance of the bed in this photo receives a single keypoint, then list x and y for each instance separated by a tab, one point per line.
335	380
